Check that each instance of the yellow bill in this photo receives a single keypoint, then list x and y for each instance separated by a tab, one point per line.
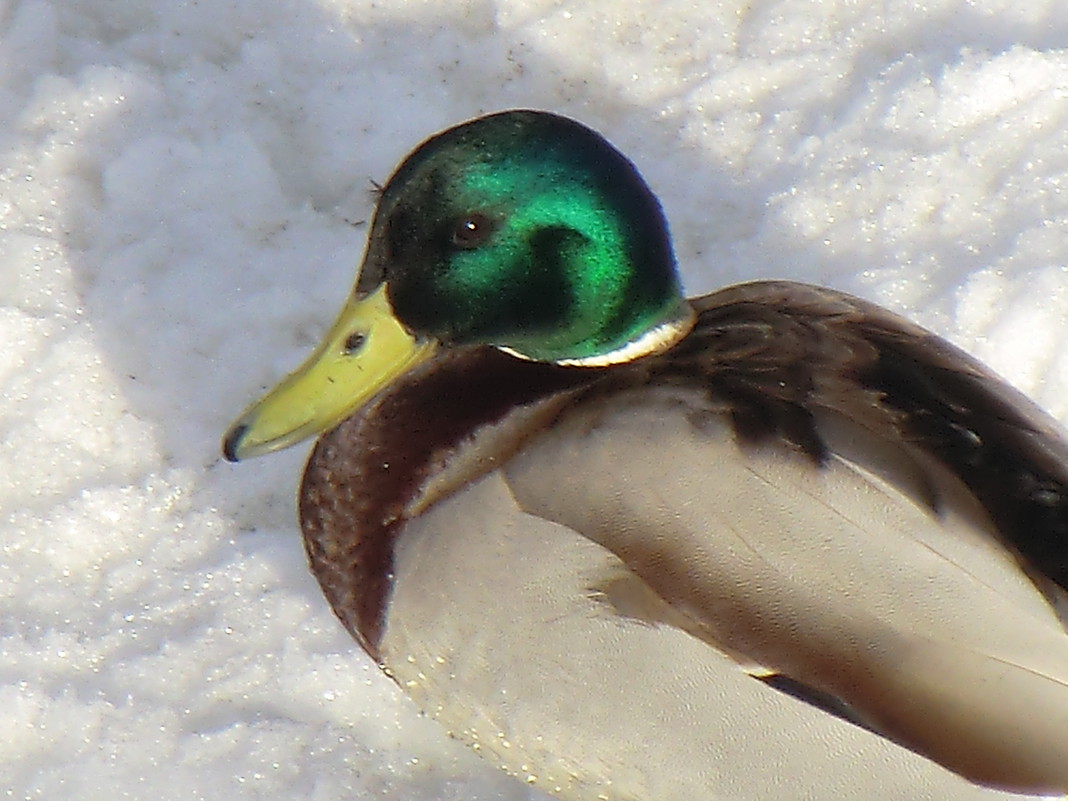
364	350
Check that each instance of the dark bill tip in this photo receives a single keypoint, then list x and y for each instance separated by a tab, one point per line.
232	441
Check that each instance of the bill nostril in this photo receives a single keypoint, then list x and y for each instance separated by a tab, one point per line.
354	342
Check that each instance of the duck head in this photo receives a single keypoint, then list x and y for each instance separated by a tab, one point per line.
522	230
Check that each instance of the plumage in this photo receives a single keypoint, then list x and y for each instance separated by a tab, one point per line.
786	545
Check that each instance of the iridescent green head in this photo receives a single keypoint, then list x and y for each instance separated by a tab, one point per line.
528	231
521	230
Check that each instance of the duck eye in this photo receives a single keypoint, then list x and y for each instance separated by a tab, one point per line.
471	230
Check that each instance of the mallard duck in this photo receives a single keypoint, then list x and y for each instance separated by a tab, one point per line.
770	543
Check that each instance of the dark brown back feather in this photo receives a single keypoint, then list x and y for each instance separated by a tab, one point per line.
808	347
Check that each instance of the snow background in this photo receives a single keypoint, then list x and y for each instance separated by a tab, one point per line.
183	190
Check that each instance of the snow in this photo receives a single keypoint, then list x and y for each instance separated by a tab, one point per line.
183	194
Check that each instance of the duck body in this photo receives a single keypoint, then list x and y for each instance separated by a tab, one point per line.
793	547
